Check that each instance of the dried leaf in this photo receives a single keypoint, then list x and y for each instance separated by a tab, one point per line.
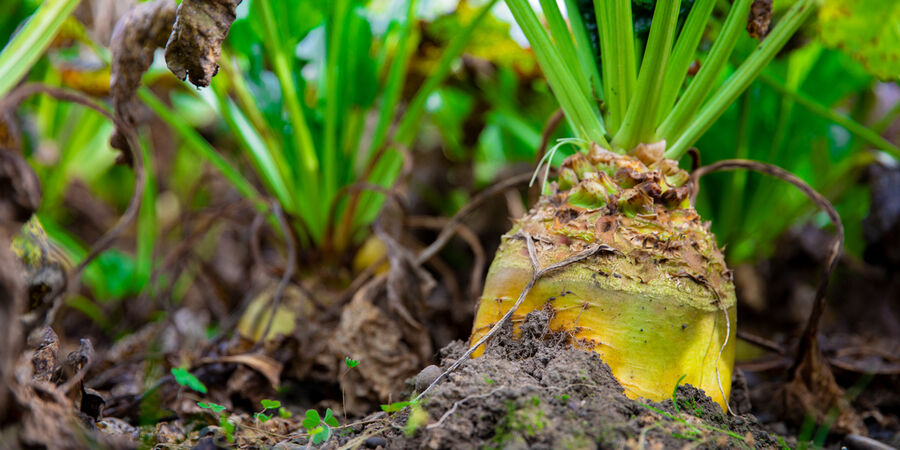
20	190
194	47
264	365
135	38
44	360
759	19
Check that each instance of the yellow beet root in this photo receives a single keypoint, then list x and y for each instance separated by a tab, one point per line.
657	305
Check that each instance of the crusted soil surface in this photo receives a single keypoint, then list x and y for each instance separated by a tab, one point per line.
538	391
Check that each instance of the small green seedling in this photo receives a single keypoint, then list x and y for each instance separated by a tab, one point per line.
351	363
216	408
227	426
188	380
319	428
267	405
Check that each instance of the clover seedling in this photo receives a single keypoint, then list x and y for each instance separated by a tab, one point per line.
319	428
226	425
188	380
267	405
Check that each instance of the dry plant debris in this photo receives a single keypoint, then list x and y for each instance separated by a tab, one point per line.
135	38
194	47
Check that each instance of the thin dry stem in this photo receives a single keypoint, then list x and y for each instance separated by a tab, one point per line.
16	97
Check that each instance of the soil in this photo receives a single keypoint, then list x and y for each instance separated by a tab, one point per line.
539	391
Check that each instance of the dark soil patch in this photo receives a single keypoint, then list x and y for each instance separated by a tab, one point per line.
539	391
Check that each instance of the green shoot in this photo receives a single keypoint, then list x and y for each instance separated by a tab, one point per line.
396	77
29	44
697	91
742	77
683	54
559	31
617	50
586	121
638	125
583	47
303	143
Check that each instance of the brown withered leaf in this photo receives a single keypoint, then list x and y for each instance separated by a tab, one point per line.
194	47
759	19
134	40
45	359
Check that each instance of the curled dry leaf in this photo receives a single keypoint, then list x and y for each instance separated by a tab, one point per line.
194	47
266	366
134	40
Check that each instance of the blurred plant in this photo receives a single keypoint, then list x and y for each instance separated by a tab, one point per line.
296	88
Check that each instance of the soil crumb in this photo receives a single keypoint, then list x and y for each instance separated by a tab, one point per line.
539	391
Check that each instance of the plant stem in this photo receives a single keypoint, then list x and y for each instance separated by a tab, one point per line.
29	44
825	112
683	55
742	77
639	123
396	78
589	64
559	31
584	118
280	62
334	79
617	56
680	117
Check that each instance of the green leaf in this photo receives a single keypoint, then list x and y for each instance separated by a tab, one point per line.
29	44
270	404
320	434
329	418
868	30
262	417
312	419
228	428
284	414
213	406
351	363
186	379
396	406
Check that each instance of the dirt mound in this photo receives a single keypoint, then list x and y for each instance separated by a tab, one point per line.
539	391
